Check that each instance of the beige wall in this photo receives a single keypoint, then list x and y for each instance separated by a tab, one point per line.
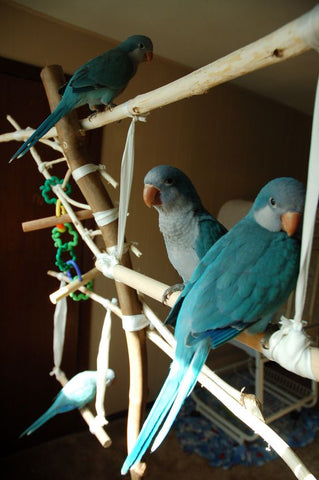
229	141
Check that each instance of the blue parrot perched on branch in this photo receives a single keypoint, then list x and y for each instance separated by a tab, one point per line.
76	393
97	82
188	229
245	276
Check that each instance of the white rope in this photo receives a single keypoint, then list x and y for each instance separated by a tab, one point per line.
133	323
126	247
107	216
105	263
59	321
88	168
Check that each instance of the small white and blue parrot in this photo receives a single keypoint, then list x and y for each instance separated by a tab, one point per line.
76	393
188	229
244	277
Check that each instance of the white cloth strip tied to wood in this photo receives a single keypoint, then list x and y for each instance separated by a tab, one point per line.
106	263
133	323
106	216
102	363
91	168
126	247
59	319
290	346
127	168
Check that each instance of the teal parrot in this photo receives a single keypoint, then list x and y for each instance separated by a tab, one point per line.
97	82
76	393
188	229
243	278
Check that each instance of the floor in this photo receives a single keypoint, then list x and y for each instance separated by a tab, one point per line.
80	456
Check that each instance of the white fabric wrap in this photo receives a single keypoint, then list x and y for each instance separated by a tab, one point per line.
133	323
106	216
290	348
60	315
106	263
88	168
102	362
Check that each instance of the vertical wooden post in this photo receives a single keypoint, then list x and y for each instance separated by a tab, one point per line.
72	140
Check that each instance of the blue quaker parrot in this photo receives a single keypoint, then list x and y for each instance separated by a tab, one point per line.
188	229
97	82
245	276
76	393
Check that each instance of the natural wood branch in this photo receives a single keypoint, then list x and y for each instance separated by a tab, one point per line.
72	140
284	43
49	222
148	286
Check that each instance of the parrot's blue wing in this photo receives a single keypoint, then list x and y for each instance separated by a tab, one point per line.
112	70
249	279
240	272
210	230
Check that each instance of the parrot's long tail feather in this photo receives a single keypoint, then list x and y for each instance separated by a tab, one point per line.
38	423
61	110
177	386
160	409
186	386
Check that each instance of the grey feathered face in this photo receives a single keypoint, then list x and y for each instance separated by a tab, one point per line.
139	47
168	189
279	205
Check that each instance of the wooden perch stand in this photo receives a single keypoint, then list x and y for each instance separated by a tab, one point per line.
72	140
286	42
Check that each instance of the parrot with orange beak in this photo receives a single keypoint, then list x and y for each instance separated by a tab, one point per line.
188	229
97	82
243	278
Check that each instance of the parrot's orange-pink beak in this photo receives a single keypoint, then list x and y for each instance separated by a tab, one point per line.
151	195
148	56
290	222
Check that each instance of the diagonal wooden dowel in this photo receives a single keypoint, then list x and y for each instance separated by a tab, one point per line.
72	140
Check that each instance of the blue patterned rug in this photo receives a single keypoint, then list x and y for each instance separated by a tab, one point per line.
197	434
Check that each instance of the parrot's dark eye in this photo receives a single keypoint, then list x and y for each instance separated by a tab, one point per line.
169	181
272	202
141	46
